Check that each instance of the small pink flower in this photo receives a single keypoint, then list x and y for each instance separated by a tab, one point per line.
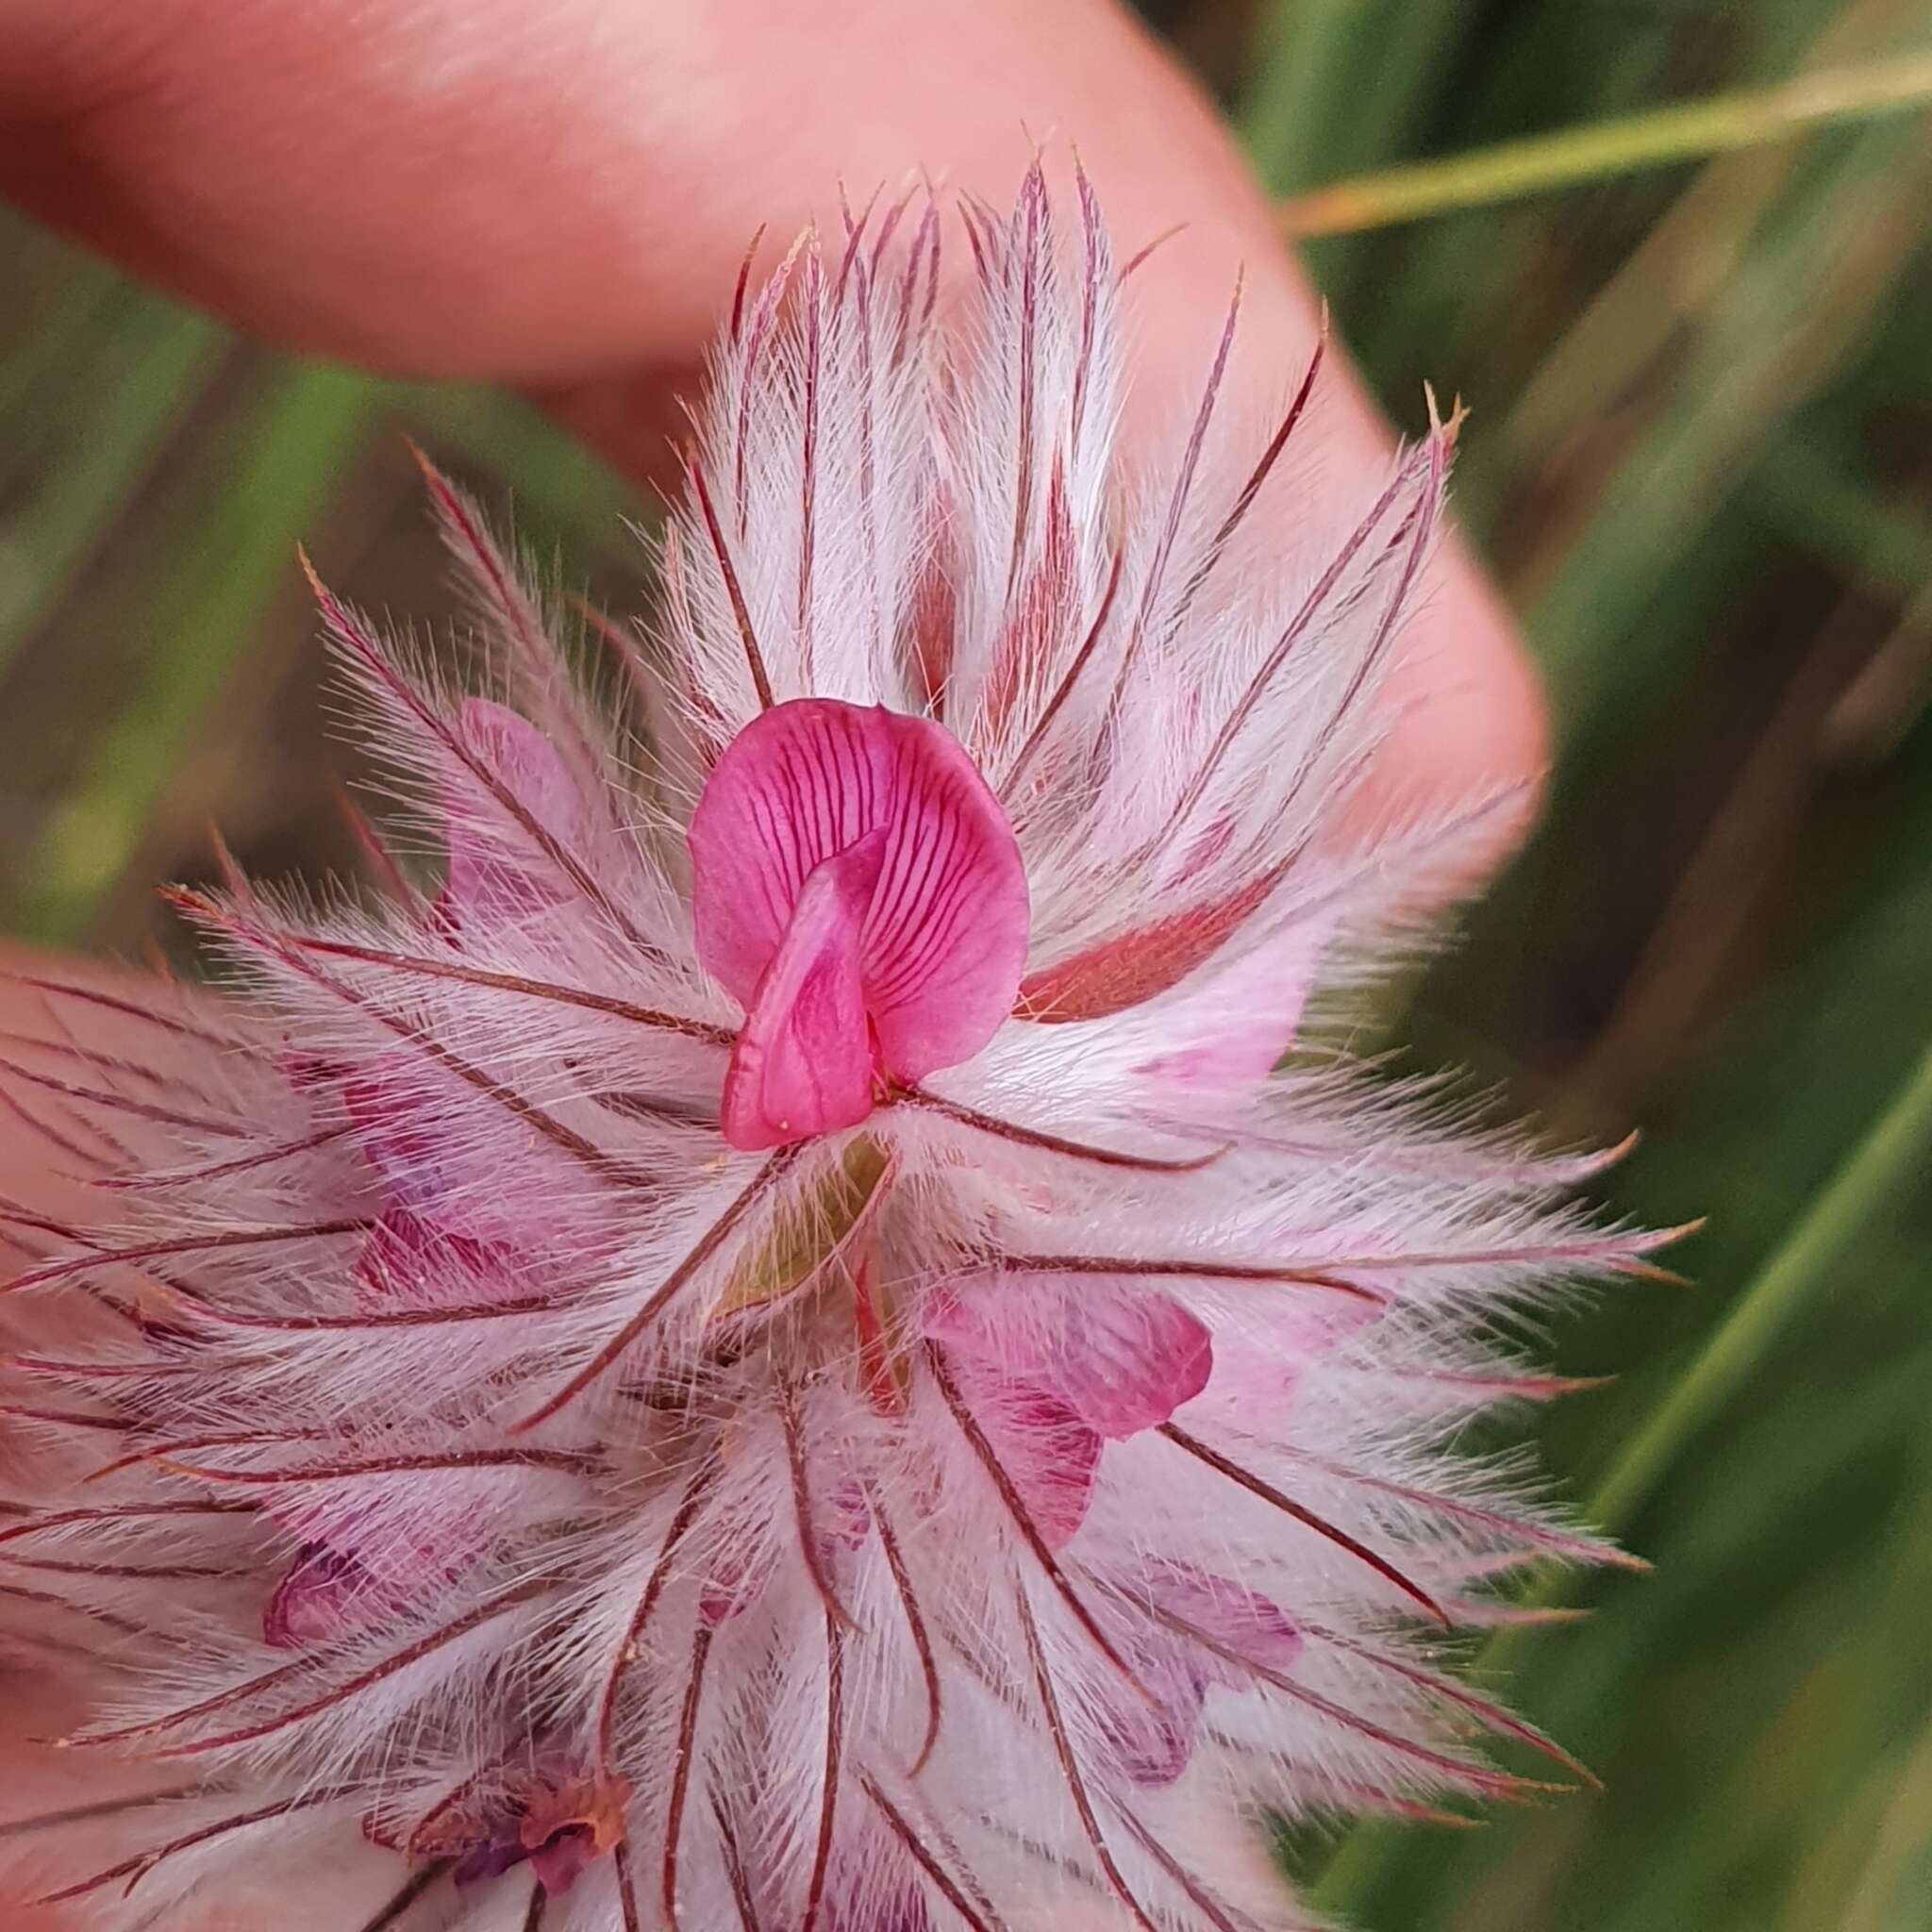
770	1348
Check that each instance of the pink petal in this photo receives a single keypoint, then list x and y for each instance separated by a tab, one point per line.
364	1561
495	871
803	1064
1229	1032
1258	1380
562	1858
1152	1745
1045	1451
1122	1362
323	1597
406	1136
407	1261
1241	1619
495	1856
942	940
354	1571
329	1593
419	1128
1127	1362
1049	1455
846	1523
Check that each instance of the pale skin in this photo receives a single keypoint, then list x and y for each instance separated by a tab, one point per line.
559	197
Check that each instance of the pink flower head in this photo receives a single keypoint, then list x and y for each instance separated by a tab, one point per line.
770	1346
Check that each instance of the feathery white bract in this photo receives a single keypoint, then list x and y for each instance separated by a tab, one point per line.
839	1536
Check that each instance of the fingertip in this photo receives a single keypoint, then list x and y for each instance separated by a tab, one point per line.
1470	730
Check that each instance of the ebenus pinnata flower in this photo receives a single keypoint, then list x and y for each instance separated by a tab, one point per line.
765	1337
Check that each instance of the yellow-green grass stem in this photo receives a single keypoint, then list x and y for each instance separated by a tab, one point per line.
1541	164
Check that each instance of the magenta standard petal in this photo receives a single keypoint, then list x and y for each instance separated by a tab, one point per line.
941	937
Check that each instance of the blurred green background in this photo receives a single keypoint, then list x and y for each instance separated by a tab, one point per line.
1701	464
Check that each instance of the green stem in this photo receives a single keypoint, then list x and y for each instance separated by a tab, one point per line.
1541	163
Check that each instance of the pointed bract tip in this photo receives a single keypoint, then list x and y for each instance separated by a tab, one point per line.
421	457
1637	1267
743	283
1582	1385
226	862
1527	1617
1444	430
1611	1558
1147	250
1658	1277
602	623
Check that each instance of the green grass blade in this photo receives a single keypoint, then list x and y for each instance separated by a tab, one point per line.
1897	1150
1305	48
1341	86
1543	164
1897	1879
295	447
1784	325
81	296
116	433
1814	497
